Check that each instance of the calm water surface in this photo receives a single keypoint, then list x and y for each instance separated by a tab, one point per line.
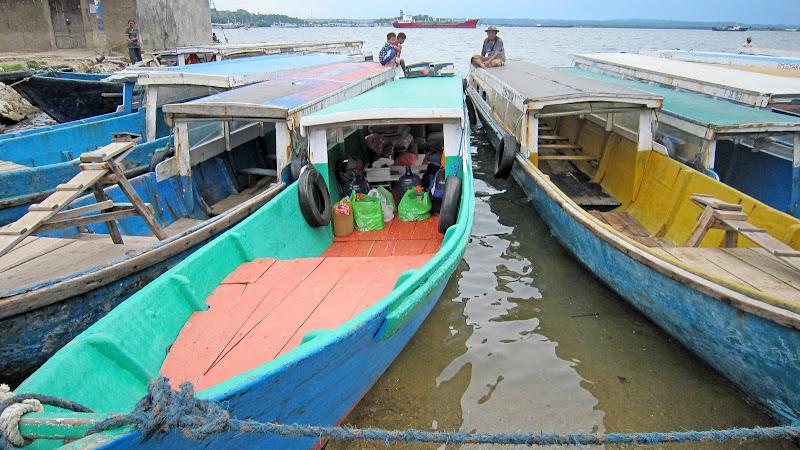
524	338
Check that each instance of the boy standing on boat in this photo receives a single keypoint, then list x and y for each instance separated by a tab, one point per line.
492	54
134	47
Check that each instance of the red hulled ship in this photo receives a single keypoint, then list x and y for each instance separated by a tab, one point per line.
408	22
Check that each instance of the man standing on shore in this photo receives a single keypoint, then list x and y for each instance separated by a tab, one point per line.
134	46
492	54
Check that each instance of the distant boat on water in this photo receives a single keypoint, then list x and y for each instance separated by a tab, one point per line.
541	25
408	21
731	28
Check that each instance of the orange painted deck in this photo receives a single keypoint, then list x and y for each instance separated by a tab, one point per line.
265	307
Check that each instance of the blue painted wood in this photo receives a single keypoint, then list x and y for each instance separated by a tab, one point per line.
319	386
20	188
28	339
59	125
760	356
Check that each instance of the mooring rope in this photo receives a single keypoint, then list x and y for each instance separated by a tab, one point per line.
164	409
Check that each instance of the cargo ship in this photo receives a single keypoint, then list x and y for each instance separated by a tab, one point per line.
408	21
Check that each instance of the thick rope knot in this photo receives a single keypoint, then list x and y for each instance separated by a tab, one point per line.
164	409
11	415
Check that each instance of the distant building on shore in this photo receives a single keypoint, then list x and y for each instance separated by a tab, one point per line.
41	25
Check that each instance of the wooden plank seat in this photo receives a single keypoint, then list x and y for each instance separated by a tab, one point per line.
9	166
101	166
559	147
552	137
729	217
629	226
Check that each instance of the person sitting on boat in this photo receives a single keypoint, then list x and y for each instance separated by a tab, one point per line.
401	39
492	54
388	54
214	38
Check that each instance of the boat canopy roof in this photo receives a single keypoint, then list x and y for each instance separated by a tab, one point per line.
425	99
229	73
678	54
664	71
278	99
535	88
339	47
722	116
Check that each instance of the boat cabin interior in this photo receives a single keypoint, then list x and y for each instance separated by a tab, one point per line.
269	306
671	209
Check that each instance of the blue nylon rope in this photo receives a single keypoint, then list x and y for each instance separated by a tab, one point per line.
164	409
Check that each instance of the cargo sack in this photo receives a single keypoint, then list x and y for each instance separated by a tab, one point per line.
415	206
343	223
367	212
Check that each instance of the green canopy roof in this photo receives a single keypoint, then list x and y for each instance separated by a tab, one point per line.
720	115
407	98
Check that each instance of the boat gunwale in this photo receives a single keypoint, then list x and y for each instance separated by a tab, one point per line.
54	291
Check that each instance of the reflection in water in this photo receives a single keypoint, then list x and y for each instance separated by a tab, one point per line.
525	339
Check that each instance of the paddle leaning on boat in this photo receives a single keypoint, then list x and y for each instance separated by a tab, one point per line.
63	265
278	318
718	270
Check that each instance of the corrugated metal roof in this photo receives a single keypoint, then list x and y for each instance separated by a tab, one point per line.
702	109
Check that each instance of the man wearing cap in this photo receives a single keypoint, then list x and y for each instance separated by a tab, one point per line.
492	54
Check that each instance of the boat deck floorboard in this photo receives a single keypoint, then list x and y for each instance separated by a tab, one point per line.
750	267
39	259
577	185
265	307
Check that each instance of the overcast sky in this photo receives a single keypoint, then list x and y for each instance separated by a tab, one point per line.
746	11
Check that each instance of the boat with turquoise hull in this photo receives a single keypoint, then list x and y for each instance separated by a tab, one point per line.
100	237
279	319
748	149
715	268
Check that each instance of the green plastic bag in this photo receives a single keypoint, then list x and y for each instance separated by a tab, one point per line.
367	212
414	206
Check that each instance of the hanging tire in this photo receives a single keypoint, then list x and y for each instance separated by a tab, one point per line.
315	201
451	202
473	118
504	156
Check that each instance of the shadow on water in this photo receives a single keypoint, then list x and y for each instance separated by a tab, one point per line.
525	339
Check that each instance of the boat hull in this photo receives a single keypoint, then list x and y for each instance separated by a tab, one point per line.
68	99
465	24
758	355
320	389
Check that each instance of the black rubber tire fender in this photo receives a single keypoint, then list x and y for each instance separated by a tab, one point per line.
473	117
504	156
315	200
451	202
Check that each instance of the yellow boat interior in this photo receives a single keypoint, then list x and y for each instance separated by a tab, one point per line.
671	210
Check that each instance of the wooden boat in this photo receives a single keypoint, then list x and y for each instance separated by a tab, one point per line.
773	65
293	325
755	89
33	162
68	96
54	285
218	52
748	149
715	268
165	85
27	176
757	50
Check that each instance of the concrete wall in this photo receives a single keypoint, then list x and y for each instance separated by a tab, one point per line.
174	23
116	14
25	25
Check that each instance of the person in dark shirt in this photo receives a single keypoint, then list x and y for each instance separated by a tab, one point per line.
492	53
134	45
